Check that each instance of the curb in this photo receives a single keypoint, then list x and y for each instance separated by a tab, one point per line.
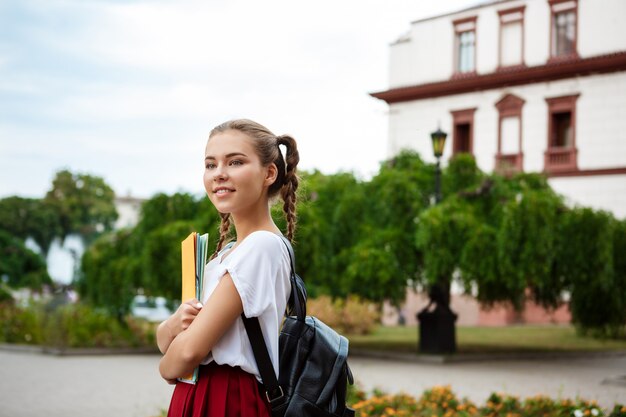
56	351
354	352
480	357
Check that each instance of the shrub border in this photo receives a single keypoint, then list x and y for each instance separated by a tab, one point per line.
51	350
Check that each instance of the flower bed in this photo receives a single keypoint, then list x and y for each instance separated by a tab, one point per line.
442	402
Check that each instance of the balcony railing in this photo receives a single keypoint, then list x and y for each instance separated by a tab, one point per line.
507	164
559	159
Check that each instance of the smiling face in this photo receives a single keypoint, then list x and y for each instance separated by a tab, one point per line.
234	178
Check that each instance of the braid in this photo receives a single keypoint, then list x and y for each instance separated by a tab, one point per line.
290	184
224	228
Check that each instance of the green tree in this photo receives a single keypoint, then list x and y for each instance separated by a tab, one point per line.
84	204
110	273
20	266
146	258
443	231
29	217
509	239
162	209
591	254
396	196
329	213
527	242
504	238
461	174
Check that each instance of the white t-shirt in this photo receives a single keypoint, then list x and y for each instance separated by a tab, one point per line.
260	269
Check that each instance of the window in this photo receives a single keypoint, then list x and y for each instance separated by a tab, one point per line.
462	138
463	133
511	37
564	28
510	135
509	157
562	130
561	154
466	51
465	45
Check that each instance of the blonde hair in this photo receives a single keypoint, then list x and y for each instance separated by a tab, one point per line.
267	148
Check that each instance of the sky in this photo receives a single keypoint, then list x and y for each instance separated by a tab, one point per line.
129	90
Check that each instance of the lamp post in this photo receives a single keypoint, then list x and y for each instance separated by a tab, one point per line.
439	140
436	320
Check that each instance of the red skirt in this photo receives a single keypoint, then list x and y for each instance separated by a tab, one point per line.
221	391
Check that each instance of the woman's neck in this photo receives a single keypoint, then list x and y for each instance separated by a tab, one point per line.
252	222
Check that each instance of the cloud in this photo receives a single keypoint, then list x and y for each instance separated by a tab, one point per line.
130	89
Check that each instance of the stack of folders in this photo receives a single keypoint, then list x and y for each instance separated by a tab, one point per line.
194	257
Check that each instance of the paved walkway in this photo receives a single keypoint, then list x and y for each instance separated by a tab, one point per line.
33	384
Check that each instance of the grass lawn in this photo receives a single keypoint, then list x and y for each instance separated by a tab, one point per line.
546	338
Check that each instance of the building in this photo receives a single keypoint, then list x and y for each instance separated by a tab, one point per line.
128	211
523	85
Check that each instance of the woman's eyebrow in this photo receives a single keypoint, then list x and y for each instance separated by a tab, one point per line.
230	155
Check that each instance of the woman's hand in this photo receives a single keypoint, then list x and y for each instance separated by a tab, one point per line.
179	321
183	316
190	347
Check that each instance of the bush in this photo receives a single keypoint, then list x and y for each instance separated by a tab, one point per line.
20	325
76	325
350	316
618	411
387	406
441	401
72	326
501	405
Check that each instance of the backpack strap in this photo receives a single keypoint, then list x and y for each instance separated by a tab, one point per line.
297	298
273	391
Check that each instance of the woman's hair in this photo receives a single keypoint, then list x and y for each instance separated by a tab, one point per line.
267	148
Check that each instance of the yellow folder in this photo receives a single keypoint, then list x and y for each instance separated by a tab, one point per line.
193	258
188	247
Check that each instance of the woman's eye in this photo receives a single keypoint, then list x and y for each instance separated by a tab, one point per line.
236	162
210	166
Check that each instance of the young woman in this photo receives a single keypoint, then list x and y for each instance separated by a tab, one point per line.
244	171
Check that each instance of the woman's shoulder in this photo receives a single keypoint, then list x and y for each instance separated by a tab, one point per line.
258	245
264	239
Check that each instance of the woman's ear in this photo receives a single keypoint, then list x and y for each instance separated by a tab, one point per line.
272	174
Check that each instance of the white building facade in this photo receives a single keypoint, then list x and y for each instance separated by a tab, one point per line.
128	211
523	85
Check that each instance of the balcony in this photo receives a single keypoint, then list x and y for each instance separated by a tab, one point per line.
508	164
560	159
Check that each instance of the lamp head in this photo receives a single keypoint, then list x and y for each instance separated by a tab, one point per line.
439	140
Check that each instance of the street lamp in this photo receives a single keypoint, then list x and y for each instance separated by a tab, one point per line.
436	320
439	141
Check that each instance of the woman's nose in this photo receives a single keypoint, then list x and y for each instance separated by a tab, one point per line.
220	173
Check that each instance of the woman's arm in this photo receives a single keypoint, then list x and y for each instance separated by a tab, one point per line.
188	348
176	323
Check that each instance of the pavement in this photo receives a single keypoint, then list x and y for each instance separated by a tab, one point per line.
36	384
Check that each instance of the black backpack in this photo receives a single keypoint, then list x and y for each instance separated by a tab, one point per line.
313	368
